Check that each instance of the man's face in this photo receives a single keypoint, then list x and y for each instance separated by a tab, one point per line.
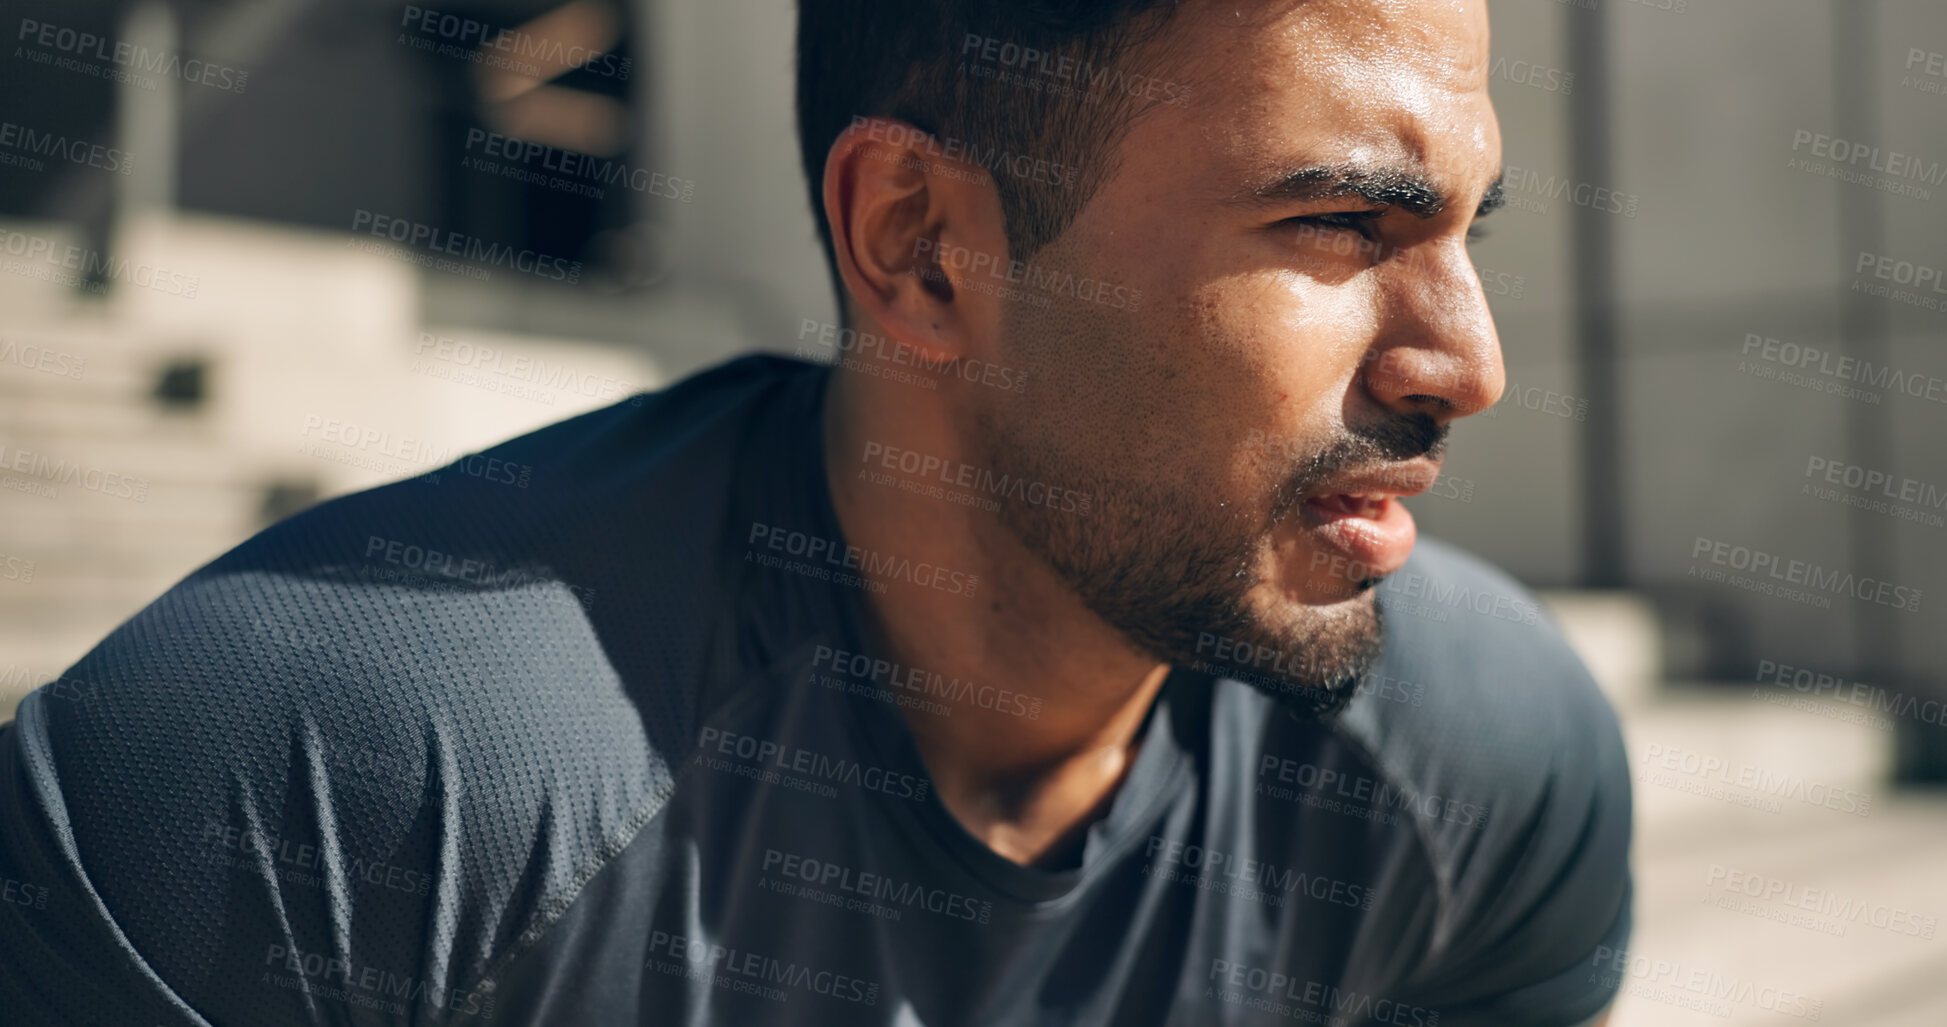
1309	322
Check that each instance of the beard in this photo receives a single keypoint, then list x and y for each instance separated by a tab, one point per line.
1187	576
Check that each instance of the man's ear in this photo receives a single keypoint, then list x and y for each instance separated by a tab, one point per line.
911	228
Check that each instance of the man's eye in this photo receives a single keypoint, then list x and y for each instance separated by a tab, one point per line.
1359	221
1476	233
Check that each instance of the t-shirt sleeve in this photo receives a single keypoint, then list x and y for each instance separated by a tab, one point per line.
1535	914
66	960
1536	993
1529	905
269	799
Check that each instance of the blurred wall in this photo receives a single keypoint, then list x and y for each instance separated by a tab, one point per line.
1733	233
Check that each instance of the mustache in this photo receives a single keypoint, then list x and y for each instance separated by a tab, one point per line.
1394	439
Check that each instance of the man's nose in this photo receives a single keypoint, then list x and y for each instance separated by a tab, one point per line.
1437	352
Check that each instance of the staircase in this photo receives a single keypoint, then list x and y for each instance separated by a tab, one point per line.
144	432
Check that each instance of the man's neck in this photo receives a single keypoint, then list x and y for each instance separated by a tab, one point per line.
1027	787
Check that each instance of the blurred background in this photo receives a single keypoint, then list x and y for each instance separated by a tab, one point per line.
1722	455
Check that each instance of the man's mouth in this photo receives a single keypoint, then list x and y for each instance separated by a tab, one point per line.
1369	505
1361	516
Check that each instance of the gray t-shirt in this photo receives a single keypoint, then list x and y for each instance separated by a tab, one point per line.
583	730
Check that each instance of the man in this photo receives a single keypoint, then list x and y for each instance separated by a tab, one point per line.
1058	660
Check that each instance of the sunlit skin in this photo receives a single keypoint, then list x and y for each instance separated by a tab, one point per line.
1292	315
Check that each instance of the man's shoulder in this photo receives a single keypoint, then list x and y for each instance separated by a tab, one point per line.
1478	695
639	448
440	678
1482	713
694	417
558	562
256	747
616	506
519	556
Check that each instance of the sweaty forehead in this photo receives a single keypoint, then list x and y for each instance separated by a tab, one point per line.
1443	39
1329	80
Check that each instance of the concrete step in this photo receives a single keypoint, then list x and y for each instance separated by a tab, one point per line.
28	502
1791	917
89	412
1713	760
95	361
1778	873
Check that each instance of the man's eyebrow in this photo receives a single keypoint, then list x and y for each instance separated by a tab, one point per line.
1394	187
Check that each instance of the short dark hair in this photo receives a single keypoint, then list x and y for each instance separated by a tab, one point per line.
1035	79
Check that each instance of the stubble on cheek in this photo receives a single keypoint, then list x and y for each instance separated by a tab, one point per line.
1190	534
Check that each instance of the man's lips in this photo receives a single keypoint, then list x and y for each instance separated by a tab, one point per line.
1360	515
